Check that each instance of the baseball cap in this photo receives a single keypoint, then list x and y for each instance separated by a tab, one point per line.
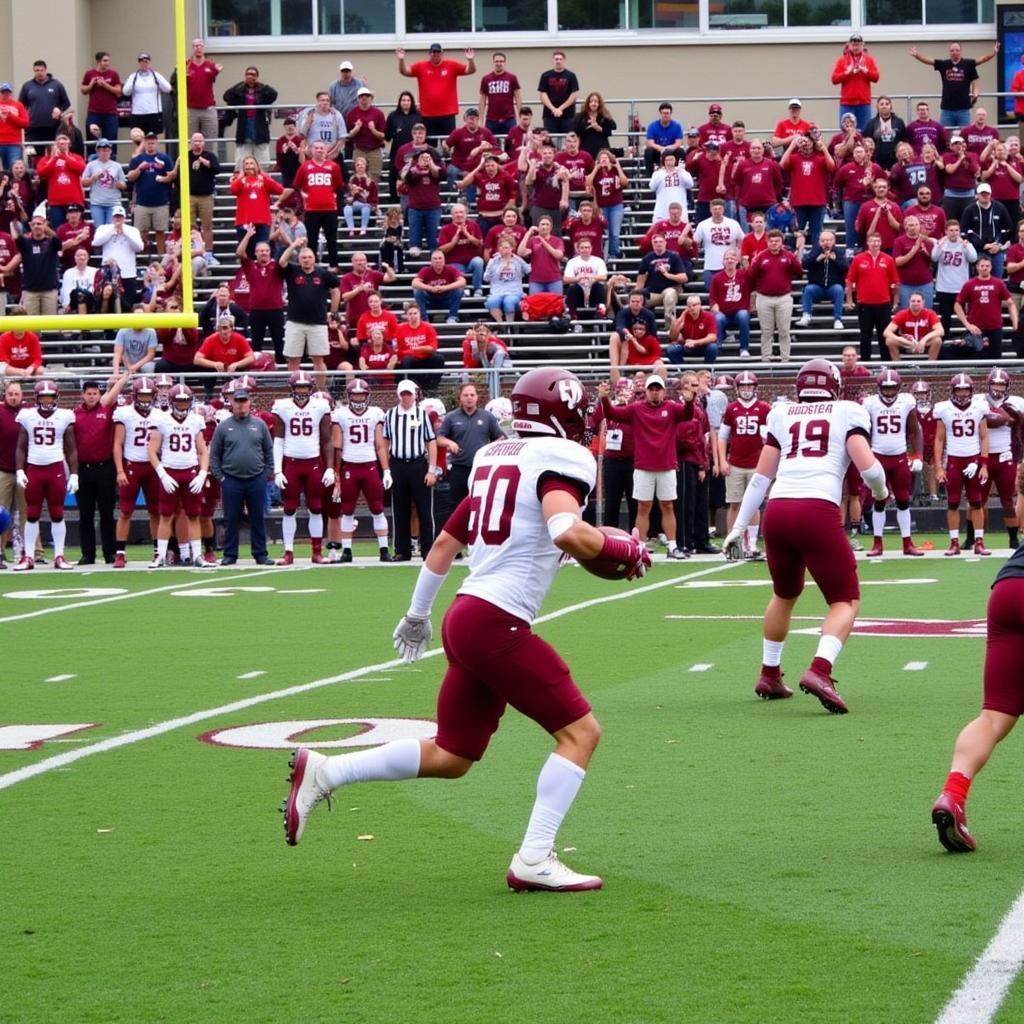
856	37
795	103
144	56
363	91
436	47
654	381
118	211
6	87
472	112
240	394
103	144
345	65
711	144
152	135
715	108
406	387
983	187
77	207
955	138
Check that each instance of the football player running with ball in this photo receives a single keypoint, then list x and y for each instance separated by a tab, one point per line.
522	516
808	447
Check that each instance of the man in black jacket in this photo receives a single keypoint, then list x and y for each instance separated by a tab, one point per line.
887	130
826	273
986	224
252	137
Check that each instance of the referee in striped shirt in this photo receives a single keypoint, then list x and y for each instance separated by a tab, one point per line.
410	466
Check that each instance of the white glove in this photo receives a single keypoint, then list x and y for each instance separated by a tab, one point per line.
411	636
73	483
970	470
281	480
328	477
882	493
916	465
198	482
387	480
169	484
22	477
733	546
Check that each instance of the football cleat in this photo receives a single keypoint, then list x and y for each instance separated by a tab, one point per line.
877	550
305	793
318	560
824	688
333	557
980	549
120	561
346	555
287	559
950	820
207	561
772	687
550	875
209	558
954	547
910	549
157	563
677	554
60	562
385	555
25	564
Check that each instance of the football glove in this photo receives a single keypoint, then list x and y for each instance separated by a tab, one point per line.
328	477
198	482
916	465
73	483
22	477
733	546
281	480
169	484
970	470
387	480
411	636
640	555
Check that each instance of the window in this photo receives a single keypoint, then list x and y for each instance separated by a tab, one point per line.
259	17
929	12
357	17
476	16
590	15
780	13
892	12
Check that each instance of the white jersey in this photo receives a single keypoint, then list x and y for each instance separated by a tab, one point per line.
716	239
889	423
963	426
512	558
178	445
136	431
301	426
357	433
45	435
1000	439
811	437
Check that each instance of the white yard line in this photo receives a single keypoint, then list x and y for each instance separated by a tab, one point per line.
701	666
915	666
138	735
984	988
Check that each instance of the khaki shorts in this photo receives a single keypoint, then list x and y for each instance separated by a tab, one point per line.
648	484
736	484
151	218
12	496
300	338
201	208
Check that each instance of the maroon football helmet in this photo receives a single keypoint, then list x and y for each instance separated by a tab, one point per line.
143	390
746	386
549	402
998	384
888	382
249	382
922	392
301	386
724	382
163	384
358	396
818	380
961	390
181	401
47	393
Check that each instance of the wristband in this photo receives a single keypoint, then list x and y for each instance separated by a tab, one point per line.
617	549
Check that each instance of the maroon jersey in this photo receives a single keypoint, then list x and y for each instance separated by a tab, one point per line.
927	421
607	188
982	302
423	188
978	138
576	229
447	275
676	237
883	226
707	171
462	142
493	193
808	179
758	183
932	219
730	294
500	91
854	383
654	433
516	232
853	180
773	273
1004	188
918	270
578	166
356	306
708	132
546	187
741	430
463	251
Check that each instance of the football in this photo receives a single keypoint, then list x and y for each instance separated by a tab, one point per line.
607	568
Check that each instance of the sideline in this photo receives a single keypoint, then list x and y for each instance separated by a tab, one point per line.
137	736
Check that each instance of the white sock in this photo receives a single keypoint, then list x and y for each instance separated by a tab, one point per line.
382	542
903	520
399	759
316	526
161	548
979	535
288	528
557	785
878	522
672	545
28	549
772	652
954	534
752	536
346	543
196	547
829	648
59	532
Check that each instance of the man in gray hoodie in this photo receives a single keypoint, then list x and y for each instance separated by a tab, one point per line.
45	99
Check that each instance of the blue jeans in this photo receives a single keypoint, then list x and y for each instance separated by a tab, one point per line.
813	217
548	287
423	228
101	214
454	174
449	301
955	118
927	290
350	210
740	320
850	211
474	269
253	492
676	352
8	154
500	127
108	128
816	293
614	215
861	111
508	304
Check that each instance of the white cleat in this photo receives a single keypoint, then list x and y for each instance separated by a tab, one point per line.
157	563
305	793
550	875
25	564
60	562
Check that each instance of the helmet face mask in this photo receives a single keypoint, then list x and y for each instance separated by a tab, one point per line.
46	393
143	393
888	386
358	396
746	387
961	390
922	392
300	384
998	385
181	401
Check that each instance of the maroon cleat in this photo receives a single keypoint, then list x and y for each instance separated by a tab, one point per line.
119	561
287	559
772	687
318	559
954	547
824	688
876	549
951	821
909	549
980	549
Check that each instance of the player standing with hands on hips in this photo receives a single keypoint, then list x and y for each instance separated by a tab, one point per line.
523	514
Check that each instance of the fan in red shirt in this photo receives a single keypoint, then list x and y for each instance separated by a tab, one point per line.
438	82
979	307
677	231
21	354
810	167
225	351
588	223
378	354
879	214
694	331
376	316
417	349
873	275
730	300
319	179
252	190
509	226
757	181
357	286
495	190
790	126
915	330
62	172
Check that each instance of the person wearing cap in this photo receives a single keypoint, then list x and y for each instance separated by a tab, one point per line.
102	84
344	90
152	171
500	97
789	126
146	88
987	225
74	235
409	464
121	244
664	135
854	72
438	83
959	77
13	122
105	180
959	169
61	170
366	130
242	459
45	99
558	88
465	147
200	75
248	104
705	164
714	129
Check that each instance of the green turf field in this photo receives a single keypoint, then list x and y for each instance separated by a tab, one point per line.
762	861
